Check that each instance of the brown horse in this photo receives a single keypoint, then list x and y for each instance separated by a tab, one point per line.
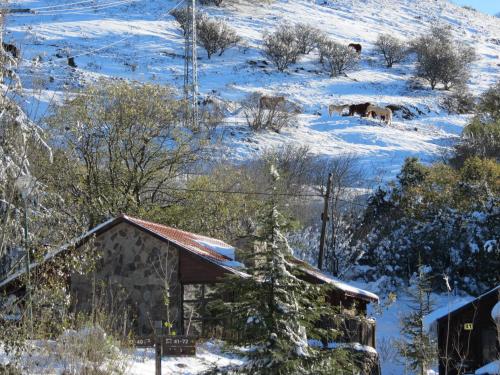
356	46
270	102
360	109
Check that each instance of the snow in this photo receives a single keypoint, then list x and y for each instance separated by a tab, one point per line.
218	246
342	285
492	368
495	312
136	361
351	345
139	40
430	320
208	355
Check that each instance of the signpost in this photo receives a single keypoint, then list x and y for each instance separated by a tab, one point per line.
176	346
468	326
171	346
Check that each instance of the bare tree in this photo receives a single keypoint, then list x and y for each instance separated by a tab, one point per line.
392	49
441	59
337	58
306	37
340	255
215	35
281	47
274	116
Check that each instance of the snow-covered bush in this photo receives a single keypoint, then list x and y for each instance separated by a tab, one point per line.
337	58
215	35
392	49
281	47
445	216
441	59
274	116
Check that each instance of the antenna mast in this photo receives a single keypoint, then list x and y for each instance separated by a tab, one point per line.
191	67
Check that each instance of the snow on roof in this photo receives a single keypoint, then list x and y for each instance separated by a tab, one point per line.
495	313
430	320
214	250
211	249
492	368
346	288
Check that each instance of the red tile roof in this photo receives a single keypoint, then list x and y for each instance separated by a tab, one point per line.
187	240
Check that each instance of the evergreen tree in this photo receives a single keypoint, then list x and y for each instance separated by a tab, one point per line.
274	311
417	347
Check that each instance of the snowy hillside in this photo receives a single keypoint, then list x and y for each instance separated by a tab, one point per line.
139	40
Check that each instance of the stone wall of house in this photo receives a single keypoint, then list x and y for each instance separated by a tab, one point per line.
130	277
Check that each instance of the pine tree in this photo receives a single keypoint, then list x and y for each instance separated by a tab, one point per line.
275	311
417	347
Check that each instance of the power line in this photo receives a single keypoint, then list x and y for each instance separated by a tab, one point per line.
64	5
262	193
81	10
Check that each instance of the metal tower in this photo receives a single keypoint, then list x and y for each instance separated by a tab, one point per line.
191	67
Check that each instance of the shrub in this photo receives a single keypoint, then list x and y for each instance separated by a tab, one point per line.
217	3
306	37
215	35
488	107
459	101
281	47
440	59
393	49
274	117
337	58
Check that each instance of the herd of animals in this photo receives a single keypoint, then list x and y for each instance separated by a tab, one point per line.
368	110
364	110
271	102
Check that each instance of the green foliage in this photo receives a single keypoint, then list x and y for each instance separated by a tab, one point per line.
119	145
482	136
275	311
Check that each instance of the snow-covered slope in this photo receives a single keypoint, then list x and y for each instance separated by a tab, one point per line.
139	40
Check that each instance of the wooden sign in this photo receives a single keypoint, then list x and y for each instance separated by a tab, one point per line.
468	326
144	342
177	346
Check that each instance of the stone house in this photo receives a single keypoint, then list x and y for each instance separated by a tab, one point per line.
143	264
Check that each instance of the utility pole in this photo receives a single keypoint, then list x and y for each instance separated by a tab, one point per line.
27	264
191	67
324	221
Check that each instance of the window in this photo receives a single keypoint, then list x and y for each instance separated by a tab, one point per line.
197	321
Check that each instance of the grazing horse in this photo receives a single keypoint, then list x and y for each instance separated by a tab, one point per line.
336	109
12	49
360	109
384	113
71	62
270	102
356	46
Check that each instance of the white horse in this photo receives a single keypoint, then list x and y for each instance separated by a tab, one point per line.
386	113
336	109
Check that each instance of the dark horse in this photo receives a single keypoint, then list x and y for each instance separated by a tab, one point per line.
360	109
12	49
356	46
